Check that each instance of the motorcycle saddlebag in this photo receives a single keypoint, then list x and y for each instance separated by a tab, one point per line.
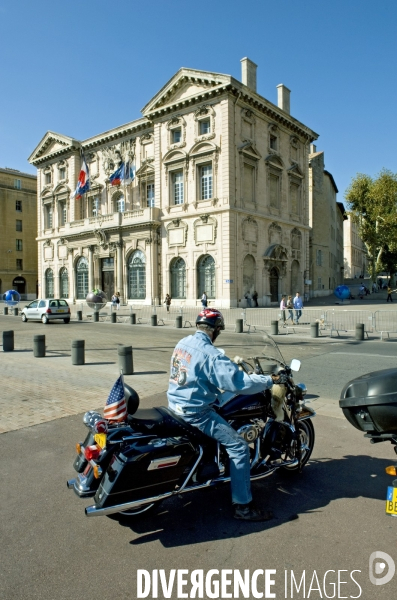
143	470
369	402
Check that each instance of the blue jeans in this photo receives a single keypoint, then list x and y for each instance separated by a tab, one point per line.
210	423
298	314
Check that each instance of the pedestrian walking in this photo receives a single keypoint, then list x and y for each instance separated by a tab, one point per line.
114	301
389	293
118	300
298	305
361	291
167	302
255	299
204	300
283	307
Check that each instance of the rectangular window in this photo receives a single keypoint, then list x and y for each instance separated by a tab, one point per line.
62	173
18	205
294	190
17	184
150	195
62	213
18	244
95	206
177	184
274	190
319	258
248	192
319	284
176	136
120	206
47	178
273	142
18	225
205	127
48	216
206	182
19	264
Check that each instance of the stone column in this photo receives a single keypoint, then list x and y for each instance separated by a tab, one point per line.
119	267
90	268
72	276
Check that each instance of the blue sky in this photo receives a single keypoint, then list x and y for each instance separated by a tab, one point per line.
82	67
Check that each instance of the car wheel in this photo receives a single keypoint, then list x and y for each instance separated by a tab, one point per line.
66	321
23	317
44	319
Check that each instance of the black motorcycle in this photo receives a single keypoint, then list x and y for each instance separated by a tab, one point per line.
369	403
130	467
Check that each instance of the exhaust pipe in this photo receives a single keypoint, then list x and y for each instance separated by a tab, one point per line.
71	483
93	511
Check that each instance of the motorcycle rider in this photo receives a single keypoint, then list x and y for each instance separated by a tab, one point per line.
198	371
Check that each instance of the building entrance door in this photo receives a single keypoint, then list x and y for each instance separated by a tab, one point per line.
108	277
19	284
273	285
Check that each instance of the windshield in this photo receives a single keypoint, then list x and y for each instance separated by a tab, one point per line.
271	349
249	345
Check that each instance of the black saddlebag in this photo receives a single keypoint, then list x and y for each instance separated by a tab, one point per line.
369	402
145	470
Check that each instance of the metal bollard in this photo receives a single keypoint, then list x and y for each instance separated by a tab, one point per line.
133	319
5	310
95	316
79	314
8	341
15	312
274	328
239	325
39	346
314	330
359	331
268	368
125	359
178	321
78	350
153	320
113	317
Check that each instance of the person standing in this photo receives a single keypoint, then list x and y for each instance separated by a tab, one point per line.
283	307
255	299
389	293
167	302
118	300
204	300
298	305
114	301
290	307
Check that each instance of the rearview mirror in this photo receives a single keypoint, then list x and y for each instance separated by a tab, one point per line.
295	364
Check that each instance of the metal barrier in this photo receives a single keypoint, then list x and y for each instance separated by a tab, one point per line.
385	322
346	320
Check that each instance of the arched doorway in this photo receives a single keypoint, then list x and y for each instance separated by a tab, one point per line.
295	278
19	284
206	276
248	274
273	282
137	276
178	278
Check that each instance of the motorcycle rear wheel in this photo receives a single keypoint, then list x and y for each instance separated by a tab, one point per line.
307	437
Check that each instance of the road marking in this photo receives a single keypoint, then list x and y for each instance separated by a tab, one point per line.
365	354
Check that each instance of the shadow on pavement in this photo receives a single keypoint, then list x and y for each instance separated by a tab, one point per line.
207	515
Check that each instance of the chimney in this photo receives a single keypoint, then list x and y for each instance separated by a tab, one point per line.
283	98
248	73
313	149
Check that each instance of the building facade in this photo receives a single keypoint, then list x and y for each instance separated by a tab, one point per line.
355	253
326	220
18	231
219	203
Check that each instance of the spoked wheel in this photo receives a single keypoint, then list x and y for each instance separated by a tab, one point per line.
307	436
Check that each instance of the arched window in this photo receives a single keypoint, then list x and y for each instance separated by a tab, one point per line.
49	283
137	275
119	203
64	283
82	278
178	278
248	274
206	276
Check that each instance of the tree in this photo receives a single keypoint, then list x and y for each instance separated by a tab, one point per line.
372	205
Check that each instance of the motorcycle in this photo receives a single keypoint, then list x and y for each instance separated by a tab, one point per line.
130	467
369	403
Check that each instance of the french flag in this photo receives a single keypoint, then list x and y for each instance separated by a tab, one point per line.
117	177
83	184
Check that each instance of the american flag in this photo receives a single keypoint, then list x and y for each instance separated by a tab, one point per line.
116	408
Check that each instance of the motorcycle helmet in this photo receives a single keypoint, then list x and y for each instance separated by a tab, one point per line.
211	317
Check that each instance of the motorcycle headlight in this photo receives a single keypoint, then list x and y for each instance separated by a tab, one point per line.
302	388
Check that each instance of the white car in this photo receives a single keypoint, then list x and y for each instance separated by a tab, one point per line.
46	310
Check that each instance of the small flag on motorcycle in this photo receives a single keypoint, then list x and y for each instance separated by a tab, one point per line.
116	408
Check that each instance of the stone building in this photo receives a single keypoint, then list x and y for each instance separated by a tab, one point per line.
326	220
18	231
355	253
219	203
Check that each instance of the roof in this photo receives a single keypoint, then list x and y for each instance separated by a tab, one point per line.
16	172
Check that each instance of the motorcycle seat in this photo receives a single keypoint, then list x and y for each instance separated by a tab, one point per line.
146	417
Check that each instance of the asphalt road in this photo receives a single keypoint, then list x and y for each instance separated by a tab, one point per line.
329	518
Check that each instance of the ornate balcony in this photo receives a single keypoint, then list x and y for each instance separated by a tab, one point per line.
116	219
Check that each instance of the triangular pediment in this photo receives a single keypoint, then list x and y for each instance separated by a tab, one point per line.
145	171
185	84
52	144
296	170
249	149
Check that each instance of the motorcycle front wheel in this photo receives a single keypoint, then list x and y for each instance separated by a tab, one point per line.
307	436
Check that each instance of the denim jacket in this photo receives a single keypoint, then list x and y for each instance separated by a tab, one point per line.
199	370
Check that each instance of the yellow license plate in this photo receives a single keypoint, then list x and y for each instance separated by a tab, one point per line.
61	310
391	501
100	439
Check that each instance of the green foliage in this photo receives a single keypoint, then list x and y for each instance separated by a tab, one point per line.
372	205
